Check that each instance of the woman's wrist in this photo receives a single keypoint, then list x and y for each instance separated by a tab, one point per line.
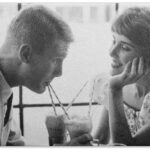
115	94
115	87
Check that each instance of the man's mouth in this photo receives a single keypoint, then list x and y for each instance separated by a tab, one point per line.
48	82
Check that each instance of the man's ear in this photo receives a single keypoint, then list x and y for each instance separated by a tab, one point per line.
25	52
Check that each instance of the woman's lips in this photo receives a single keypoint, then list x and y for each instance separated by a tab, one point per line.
116	64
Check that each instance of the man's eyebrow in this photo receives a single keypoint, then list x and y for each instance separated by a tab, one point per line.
61	56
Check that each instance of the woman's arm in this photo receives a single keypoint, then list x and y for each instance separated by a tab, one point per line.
102	131
142	137
119	130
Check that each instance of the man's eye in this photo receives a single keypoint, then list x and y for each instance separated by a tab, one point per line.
57	61
54	61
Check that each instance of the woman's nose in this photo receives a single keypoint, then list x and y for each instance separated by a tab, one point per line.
114	50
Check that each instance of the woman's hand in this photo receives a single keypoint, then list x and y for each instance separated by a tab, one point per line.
133	71
83	140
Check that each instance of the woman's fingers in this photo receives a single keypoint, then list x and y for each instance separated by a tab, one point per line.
134	68
138	69
147	68
141	67
127	70
133	71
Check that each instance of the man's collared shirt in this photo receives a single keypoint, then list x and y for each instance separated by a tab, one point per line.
9	132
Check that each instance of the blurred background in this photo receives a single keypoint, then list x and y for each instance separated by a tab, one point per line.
87	57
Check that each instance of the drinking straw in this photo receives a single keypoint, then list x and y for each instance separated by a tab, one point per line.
52	101
59	102
76	96
90	101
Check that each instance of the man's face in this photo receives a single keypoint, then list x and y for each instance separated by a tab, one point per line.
46	67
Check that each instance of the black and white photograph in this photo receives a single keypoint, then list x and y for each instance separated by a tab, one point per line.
74	74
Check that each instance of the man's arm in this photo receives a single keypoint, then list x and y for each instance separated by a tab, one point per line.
15	138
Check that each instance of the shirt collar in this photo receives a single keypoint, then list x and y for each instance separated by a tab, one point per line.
5	90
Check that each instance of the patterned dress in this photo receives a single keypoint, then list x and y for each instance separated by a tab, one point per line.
132	116
135	118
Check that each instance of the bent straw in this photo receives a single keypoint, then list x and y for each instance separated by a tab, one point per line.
90	101
59	102
52	101
76	96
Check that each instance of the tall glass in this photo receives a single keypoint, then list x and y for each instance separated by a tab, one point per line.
78	126
56	129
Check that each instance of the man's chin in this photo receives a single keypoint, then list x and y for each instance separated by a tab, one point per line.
39	90
42	90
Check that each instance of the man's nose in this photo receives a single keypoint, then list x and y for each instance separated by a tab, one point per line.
114	50
58	71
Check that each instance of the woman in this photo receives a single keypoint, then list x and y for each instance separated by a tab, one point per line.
126	112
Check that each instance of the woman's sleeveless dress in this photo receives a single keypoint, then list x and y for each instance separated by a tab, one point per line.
135	118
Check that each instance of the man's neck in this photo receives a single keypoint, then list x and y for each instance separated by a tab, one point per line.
8	73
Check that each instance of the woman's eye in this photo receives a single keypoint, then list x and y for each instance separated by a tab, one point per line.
125	47
113	41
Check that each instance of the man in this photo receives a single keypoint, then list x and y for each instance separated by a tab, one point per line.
32	54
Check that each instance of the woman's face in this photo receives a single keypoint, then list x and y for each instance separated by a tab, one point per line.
122	51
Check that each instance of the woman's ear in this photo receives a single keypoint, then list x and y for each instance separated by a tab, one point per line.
25	52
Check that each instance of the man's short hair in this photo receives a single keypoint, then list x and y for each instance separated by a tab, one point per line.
38	26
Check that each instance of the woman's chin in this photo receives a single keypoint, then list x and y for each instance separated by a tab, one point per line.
114	72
